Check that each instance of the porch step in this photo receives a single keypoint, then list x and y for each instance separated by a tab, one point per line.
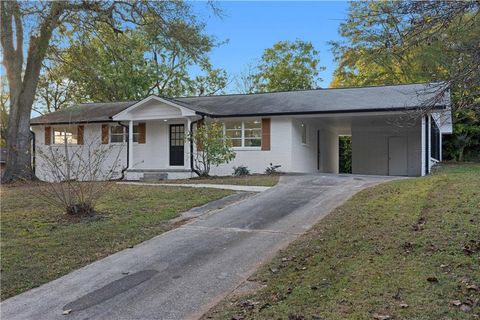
154	176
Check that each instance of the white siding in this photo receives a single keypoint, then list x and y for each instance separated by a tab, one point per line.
117	153
257	160
154	153
370	148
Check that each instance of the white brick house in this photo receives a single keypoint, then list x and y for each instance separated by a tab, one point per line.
298	130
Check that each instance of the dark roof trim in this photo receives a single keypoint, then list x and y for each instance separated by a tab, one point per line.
317	112
73	122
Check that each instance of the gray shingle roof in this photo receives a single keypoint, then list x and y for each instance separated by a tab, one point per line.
87	112
381	98
395	97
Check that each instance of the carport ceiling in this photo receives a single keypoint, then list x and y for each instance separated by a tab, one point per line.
343	123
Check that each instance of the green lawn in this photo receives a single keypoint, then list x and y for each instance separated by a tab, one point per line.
39	244
250	180
408	249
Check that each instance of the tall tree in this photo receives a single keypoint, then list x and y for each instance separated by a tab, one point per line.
288	66
55	90
408	41
37	25
394	42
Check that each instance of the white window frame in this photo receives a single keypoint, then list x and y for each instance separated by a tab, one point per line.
243	147
61	129
125	134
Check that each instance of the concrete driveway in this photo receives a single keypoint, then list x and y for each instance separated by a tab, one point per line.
182	273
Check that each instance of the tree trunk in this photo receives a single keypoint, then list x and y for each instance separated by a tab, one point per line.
460	153
22	85
19	159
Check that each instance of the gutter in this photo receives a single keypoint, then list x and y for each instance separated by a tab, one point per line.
33	151
191	147
440	107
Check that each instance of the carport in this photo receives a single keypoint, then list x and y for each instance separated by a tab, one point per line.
382	143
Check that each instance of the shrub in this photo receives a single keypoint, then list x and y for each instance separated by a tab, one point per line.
212	147
77	176
272	169
241	171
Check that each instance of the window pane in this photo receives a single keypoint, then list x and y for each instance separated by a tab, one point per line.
116	129
253	124
234	133
233	125
253	133
115	138
117	134
135	136
236	142
68	134
253	142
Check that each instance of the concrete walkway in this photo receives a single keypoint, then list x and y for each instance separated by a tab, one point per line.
182	273
204	185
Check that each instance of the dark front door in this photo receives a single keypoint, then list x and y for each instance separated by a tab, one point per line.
177	144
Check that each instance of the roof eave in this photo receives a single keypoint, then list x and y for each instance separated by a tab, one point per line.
439	107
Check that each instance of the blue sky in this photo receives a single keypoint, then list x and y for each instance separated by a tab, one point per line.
252	27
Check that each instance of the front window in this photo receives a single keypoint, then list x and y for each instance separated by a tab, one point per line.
233	130
253	133
246	133
65	135
119	134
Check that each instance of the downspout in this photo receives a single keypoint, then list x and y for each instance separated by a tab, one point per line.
128	149
191	147
33	151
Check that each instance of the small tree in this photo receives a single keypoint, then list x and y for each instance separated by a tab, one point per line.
212	147
76	176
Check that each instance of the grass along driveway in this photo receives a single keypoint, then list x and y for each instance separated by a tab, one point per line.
39	243
250	180
408	249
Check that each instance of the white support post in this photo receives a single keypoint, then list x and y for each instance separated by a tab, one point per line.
429	139
187	144
130	144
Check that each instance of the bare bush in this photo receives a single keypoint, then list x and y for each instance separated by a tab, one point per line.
76	176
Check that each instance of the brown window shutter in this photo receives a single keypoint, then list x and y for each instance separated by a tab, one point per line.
80	130
266	134
142	132
48	135
104	133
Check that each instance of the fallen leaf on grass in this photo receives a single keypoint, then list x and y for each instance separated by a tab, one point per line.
472	287
379	316
455	303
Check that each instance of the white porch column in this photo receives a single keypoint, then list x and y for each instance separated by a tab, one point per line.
187	144
130	144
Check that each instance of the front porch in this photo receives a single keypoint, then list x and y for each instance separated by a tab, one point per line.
164	152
